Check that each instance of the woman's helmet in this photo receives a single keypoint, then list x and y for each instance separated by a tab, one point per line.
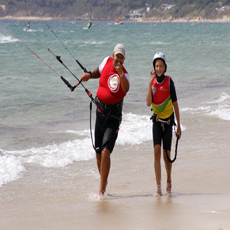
161	56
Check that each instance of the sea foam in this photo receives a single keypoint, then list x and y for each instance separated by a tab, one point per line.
218	107
7	39
222	112
10	169
134	130
221	98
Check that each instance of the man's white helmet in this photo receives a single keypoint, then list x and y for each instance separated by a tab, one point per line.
161	56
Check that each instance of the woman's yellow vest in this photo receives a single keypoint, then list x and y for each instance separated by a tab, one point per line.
162	103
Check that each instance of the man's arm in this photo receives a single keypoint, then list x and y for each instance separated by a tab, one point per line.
124	83
95	74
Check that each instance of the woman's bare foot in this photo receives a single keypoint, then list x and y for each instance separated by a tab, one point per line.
169	188
159	192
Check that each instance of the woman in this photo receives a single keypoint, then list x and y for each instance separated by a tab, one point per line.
162	96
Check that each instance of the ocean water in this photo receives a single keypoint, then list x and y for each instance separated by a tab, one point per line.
45	126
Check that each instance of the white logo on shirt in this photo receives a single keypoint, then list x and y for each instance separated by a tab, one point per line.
114	83
154	89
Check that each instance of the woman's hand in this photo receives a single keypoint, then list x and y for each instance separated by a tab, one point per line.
152	76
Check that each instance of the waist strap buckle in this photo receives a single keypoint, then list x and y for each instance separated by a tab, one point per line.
162	121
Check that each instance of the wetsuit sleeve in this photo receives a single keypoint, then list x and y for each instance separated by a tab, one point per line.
173	90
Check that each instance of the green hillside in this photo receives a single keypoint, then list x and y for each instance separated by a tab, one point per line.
111	9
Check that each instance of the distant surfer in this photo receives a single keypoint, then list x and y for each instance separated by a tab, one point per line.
162	96
89	24
113	86
28	26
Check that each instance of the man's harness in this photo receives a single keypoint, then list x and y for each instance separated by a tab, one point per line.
113	111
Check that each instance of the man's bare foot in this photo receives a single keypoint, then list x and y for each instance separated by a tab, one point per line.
102	196
102	192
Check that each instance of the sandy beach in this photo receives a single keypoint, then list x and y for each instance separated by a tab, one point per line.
200	198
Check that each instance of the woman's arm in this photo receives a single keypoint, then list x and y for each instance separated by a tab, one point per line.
176	110
149	93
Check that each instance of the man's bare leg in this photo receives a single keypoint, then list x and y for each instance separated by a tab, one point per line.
103	163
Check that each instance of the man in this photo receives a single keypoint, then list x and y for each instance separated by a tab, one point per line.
113	86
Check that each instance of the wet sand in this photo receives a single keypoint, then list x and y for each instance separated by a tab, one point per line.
200	198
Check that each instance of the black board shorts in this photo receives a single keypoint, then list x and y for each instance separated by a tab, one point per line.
159	134
105	132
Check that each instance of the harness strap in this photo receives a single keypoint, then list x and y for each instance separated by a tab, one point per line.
162	121
168	158
90	125
109	113
113	110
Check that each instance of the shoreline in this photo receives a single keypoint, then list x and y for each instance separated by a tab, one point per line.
144	20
